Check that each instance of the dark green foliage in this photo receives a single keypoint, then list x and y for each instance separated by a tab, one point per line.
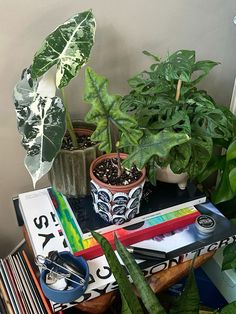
158	105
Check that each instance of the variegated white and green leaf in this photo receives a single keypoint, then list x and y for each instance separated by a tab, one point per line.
68	47
41	122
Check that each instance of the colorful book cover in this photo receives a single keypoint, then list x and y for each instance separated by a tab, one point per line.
180	245
143	230
158	200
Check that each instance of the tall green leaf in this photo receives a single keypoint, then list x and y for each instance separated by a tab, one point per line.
151	145
188	302
120	276
106	112
41	122
68	47
148	297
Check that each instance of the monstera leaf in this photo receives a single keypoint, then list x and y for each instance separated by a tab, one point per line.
150	145
41	122
68	47
106	112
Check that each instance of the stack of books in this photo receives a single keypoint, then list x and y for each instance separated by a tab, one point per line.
46	214
158	214
20	291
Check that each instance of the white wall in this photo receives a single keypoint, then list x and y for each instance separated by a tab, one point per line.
124	29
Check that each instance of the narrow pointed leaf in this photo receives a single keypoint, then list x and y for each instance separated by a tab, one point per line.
125	308
151	145
68	47
148	297
189	299
41	123
106	112
120	275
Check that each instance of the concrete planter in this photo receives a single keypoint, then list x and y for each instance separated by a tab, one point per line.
70	171
168	176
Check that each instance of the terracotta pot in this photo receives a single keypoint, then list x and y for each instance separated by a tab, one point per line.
70	171
168	176
116	203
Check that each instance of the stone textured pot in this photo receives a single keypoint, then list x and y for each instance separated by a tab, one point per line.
116	203
168	176
70	171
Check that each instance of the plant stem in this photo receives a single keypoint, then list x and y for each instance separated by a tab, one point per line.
119	167
69	125
177	95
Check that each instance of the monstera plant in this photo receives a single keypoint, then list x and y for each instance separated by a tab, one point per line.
43	117
171	110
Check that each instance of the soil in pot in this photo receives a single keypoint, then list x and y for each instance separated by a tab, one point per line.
84	141
107	172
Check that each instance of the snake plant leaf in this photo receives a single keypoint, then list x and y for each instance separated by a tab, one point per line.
106	112
41	123
151	145
68	47
189	300
229	257
229	308
148	297
119	274
125	307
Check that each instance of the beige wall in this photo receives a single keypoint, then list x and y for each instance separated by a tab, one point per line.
124	29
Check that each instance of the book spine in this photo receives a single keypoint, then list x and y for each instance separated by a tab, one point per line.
43	298
5	298
146	217
140	235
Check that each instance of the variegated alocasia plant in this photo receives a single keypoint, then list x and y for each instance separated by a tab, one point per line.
42	117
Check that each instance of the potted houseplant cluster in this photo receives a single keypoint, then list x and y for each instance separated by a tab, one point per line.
167	105
52	143
164	121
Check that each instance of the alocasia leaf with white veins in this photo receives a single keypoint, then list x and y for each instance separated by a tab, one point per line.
68	47
41	122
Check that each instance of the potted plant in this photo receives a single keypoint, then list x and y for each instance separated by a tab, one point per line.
170	108
43	117
116	190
